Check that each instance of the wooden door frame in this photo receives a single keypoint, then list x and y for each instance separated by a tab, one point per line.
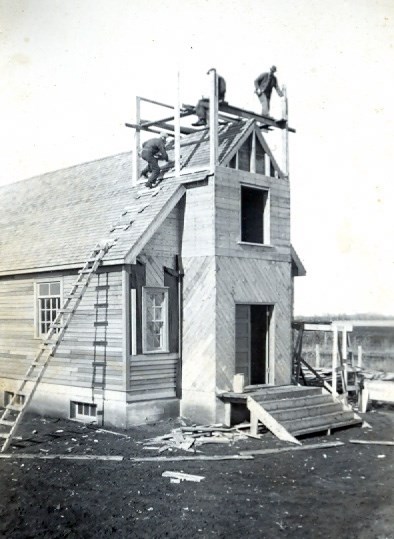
270	345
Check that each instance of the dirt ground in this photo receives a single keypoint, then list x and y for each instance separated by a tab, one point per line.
342	492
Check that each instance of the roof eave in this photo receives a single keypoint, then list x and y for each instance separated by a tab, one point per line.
154	226
59	267
301	271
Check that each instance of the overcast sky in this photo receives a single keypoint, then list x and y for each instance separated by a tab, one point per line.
70	71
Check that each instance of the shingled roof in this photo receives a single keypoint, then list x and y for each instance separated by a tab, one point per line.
54	220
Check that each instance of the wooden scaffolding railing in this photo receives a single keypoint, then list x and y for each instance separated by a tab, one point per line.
223	110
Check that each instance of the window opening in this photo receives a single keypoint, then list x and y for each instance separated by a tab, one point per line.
244	155
257	161
254	215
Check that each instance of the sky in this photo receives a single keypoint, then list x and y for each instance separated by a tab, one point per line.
70	71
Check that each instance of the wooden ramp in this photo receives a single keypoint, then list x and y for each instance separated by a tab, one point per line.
291	411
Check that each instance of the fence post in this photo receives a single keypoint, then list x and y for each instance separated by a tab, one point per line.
344	357
317	362
359	356
334	359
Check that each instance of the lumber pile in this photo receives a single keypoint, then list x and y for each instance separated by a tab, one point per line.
190	438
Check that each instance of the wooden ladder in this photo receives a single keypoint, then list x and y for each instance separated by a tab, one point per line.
16	408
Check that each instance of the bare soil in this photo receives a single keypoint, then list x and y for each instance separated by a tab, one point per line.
343	492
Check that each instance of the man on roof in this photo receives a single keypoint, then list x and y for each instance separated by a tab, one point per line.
153	150
263	88
202	108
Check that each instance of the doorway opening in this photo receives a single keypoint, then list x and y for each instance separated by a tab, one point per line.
252	342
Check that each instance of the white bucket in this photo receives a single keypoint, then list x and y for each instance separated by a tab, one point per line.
238	383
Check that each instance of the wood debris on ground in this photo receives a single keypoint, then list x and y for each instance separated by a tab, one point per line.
190	438
176	477
372	442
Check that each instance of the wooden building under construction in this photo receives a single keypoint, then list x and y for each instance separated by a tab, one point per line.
197	287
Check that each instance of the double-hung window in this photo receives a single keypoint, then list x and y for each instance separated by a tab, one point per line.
48	296
155	319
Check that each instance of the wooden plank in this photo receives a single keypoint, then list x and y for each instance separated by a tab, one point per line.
191	458
236	111
183	476
372	442
257	411
21	456
273	451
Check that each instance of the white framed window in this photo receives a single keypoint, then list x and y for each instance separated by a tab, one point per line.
155	319
48	295
255	215
83	411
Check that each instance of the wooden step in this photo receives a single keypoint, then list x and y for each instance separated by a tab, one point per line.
314	424
328	426
286	393
258	413
286	404
306	412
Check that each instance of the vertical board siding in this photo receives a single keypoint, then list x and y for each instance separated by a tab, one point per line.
72	363
252	281
252	273
198	238
198	356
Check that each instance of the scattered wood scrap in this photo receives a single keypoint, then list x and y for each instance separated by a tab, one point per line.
189	439
372	442
292	448
179	476
113	432
61	457
182	458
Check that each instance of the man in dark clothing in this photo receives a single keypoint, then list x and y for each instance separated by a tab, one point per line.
153	150
202	108
264	85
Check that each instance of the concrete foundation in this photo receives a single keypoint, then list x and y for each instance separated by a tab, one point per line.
56	401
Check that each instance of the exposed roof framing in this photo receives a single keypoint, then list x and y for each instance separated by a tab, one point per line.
264	120
252	126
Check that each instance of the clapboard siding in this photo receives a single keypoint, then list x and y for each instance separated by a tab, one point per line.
152	372
73	361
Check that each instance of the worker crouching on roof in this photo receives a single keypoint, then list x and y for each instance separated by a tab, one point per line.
202	108
153	150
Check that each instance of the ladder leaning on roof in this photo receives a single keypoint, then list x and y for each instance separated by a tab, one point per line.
16	408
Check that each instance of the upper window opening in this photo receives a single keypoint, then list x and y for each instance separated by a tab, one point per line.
254	215
252	157
244	155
